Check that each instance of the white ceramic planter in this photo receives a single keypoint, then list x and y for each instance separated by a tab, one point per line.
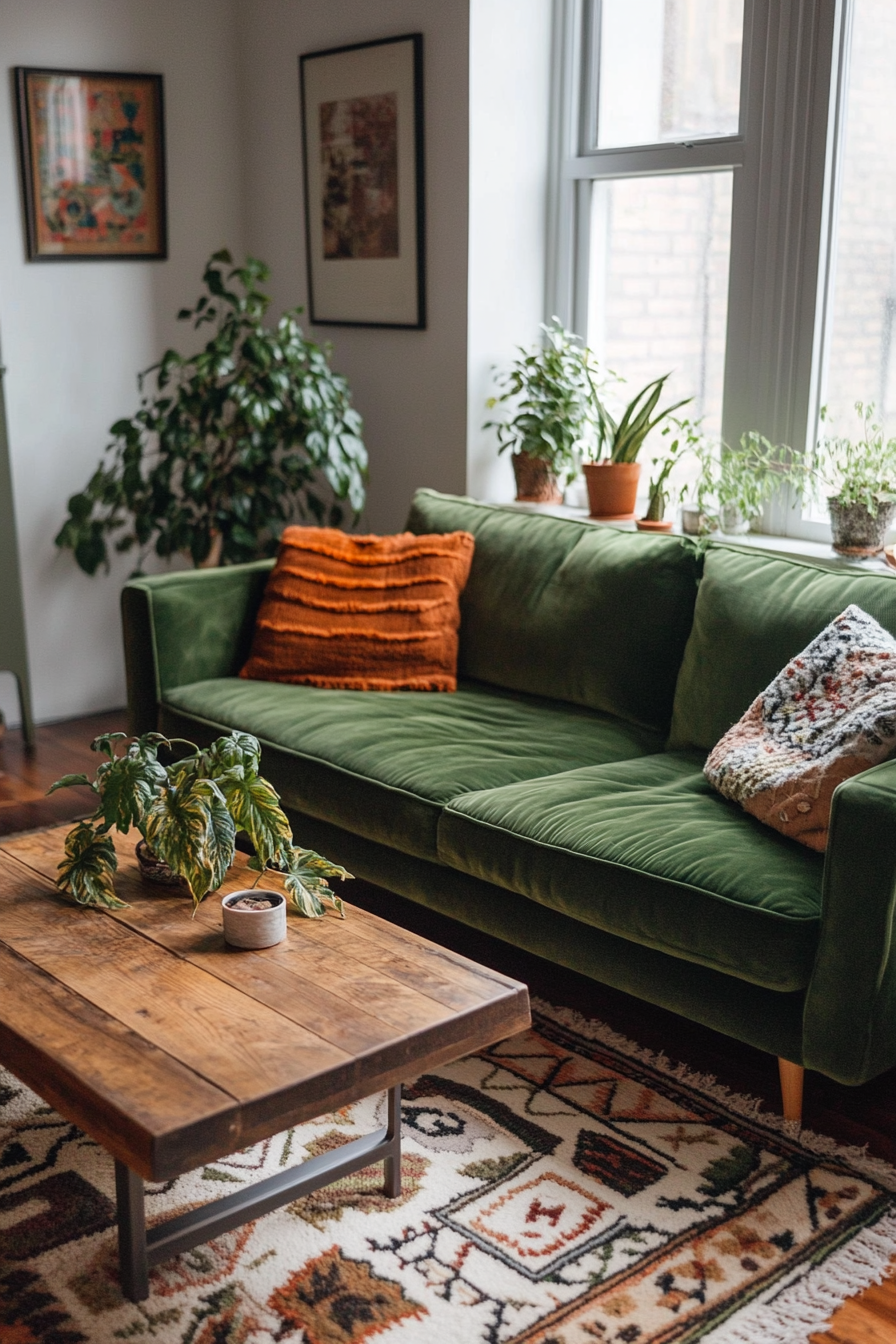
254	928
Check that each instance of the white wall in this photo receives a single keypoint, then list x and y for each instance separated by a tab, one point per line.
410	386
510	54
75	333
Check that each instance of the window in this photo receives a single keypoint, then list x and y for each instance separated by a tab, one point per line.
713	216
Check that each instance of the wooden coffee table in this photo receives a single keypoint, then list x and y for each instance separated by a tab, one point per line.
171	1050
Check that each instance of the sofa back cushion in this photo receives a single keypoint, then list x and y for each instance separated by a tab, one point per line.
556	607
754	613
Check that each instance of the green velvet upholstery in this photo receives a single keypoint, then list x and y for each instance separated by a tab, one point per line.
386	764
181	628
761	1017
850	1025
537	803
753	613
595	616
647	850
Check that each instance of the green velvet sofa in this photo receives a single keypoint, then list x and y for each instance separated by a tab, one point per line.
557	799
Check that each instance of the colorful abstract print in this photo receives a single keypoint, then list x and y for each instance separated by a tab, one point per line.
556	1189
95	164
829	715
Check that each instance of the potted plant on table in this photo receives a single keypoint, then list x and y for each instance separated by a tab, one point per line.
612	480
231	443
858	478
188	814
551	397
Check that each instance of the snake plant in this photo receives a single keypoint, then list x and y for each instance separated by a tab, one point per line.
623	440
188	813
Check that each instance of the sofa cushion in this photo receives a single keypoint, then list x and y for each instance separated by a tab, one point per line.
563	608
646	849
362	613
828	715
754	613
384	765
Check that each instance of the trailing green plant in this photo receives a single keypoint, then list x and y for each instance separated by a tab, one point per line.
551	394
740	479
622	440
231	442
189	813
851	471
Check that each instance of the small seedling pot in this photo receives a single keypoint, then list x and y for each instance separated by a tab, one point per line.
254	928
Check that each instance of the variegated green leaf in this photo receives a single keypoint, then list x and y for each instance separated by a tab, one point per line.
237	749
106	743
67	781
87	869
192	830
255	808
306	881
127	785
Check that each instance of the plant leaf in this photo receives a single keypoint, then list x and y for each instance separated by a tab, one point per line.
192	830
128	784
306	881
69	781
255	808
87	869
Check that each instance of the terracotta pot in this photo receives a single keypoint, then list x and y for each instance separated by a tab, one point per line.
855	531
648	525
536	483
612	488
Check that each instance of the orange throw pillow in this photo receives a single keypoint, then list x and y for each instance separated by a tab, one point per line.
362	613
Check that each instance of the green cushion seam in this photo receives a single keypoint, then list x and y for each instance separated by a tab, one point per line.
308	756
626	867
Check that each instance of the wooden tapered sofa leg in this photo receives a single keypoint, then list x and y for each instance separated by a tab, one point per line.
791	1089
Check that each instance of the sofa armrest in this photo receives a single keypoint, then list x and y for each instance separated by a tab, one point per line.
185	627
849	1029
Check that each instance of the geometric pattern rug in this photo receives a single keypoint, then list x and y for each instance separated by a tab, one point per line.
562	1187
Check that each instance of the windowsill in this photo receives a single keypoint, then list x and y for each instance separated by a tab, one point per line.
787	546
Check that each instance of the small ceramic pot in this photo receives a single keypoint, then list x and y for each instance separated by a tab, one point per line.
535	482
652	525
855	531
612	488
694	523
732	523
254	928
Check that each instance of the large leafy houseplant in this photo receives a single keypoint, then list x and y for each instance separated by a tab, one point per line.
229	444
188	813
551	400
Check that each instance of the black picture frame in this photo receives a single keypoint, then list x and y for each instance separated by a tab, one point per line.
365	234
112	201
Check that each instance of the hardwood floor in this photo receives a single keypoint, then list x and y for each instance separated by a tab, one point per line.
862	1115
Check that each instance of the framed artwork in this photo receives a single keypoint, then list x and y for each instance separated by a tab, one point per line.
362	123
93	164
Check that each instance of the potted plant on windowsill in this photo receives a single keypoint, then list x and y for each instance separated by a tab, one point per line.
550	395
233	443
613	482
858	479
188	814
687	434
734	483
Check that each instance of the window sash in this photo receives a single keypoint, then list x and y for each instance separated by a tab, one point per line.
783	213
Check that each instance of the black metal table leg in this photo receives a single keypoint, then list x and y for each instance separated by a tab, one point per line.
138	1249
392	1162
132	1257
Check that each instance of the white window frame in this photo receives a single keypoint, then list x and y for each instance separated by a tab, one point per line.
784	160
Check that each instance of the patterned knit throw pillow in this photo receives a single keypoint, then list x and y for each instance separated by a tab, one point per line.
830	714
362	613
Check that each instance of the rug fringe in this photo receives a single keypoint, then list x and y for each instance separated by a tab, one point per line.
752	1107
805	1307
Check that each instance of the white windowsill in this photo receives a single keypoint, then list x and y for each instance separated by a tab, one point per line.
762	541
